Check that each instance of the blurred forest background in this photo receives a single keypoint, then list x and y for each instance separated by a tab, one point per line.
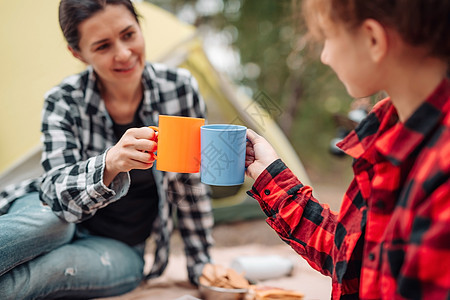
260	45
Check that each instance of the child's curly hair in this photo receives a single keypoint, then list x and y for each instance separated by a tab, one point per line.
424	23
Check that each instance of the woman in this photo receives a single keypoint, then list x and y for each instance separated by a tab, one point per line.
98	167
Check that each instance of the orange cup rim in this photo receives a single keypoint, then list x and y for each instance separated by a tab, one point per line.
180	117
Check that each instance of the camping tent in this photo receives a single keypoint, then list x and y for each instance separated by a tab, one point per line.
34	58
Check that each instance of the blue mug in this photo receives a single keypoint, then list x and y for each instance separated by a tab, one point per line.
223	154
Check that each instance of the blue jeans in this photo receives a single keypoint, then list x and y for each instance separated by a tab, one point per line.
43	257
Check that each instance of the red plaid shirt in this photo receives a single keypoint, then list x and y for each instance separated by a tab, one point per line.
391	238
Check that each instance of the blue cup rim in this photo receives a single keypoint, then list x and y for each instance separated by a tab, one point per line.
223	127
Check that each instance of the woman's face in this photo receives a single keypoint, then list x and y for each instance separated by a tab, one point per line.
112	42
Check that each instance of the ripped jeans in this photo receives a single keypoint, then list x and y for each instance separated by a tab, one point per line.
43	257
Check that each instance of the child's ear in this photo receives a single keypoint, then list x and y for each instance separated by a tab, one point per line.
377	39
76	54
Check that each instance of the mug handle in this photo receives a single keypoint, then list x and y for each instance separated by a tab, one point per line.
156	129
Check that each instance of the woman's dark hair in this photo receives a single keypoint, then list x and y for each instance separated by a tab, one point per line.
419	22
73	12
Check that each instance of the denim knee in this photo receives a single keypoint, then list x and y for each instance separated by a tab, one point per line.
33	228
86	268
38	219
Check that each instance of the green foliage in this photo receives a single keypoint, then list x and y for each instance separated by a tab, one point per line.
269	42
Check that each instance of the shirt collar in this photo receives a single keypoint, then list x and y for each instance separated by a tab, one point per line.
391	138
151	96
93	98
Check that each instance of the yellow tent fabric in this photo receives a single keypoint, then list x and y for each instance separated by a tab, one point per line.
34	58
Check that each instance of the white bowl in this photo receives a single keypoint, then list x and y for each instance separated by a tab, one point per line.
218	293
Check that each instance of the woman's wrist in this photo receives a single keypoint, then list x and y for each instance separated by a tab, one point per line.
109	173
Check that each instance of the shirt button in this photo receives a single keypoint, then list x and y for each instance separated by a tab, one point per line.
371	256
380	204
267	192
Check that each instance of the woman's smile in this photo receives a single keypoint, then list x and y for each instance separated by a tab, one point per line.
126	69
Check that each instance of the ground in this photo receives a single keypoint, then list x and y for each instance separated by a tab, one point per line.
251	237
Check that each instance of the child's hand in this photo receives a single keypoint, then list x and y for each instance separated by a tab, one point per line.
259	154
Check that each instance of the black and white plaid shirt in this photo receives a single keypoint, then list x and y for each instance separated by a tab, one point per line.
77	132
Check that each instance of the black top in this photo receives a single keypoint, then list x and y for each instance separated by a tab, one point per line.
131	218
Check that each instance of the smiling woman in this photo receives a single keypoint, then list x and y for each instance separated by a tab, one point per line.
98	169
116	52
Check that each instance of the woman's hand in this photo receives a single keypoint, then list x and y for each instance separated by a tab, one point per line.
133	151
259	154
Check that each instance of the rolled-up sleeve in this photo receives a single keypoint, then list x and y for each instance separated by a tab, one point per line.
71	185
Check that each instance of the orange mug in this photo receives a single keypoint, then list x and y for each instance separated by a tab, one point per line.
178	144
